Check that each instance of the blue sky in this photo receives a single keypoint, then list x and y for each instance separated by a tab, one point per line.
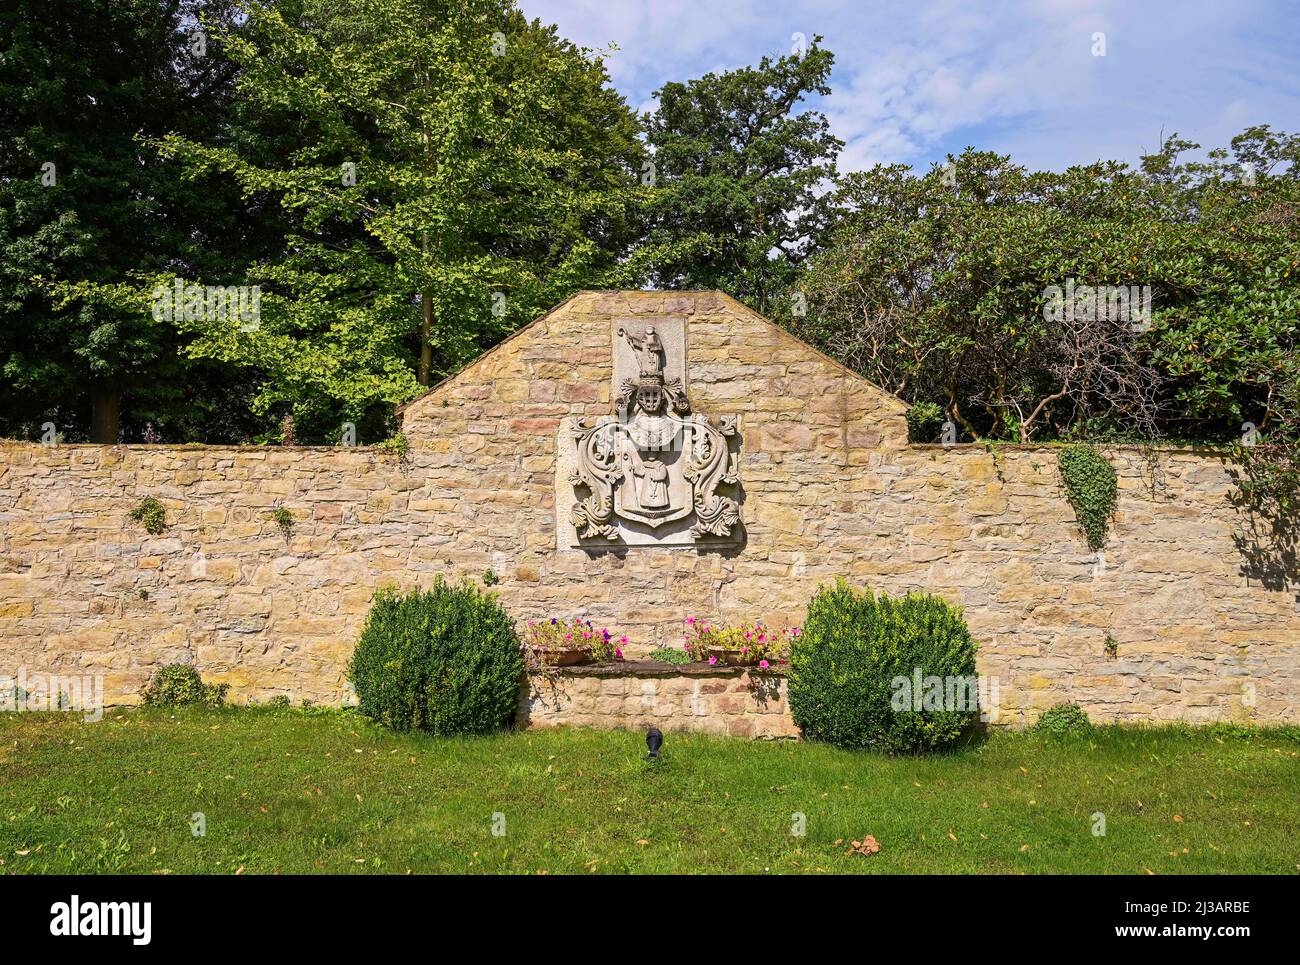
915	80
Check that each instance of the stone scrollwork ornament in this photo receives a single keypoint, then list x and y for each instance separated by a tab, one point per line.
713	465
654	462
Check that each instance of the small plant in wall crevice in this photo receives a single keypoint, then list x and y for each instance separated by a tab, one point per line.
395	444
284	519
1091	488
151	515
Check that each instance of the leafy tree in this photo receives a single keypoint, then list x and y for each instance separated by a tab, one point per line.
739	173
83	202
937	287
1231	339
455	170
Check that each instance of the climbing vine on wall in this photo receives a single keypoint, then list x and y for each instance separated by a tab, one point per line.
1091	488
1268	482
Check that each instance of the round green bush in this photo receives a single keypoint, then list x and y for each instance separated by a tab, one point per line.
446	661
1064	720
862	671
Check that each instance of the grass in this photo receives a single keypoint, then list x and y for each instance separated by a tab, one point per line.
325	791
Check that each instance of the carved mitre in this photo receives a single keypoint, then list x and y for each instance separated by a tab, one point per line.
650	393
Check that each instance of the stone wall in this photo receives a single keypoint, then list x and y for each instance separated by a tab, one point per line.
1203	616
709	700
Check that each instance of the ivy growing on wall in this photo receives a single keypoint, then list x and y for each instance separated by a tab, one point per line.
1267	496
1090	488
1268	482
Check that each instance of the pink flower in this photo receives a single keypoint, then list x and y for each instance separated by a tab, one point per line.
764	664
623	639
690	619
712	661
619	653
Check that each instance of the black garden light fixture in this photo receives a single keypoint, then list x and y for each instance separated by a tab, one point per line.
653	741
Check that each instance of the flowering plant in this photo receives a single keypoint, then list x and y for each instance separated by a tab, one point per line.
752	641
575	634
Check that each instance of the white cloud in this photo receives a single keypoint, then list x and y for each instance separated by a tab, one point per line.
914	80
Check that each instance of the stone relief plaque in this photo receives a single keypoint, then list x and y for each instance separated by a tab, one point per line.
654	472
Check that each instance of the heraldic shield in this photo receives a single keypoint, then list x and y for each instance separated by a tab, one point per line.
654	462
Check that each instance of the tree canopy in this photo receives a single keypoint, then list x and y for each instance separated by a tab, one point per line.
939	286
83	200
741	177
339	204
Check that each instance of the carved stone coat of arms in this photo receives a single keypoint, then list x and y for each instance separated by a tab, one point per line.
654	463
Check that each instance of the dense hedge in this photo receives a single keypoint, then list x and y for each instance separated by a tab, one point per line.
446	661
847	670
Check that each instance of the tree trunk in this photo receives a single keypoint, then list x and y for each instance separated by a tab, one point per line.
426	293
426	331
103	415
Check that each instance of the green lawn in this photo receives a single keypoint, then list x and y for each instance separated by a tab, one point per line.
294	791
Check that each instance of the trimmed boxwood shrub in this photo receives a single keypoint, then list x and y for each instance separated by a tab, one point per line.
446	661
847	667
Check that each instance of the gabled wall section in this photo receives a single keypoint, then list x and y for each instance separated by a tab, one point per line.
831	489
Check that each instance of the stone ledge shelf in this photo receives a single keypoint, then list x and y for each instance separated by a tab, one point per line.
634	695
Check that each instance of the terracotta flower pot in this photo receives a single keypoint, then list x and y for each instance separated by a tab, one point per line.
562	657
733	658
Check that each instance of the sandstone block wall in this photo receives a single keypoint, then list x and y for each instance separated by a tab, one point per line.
734	702
1203	612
